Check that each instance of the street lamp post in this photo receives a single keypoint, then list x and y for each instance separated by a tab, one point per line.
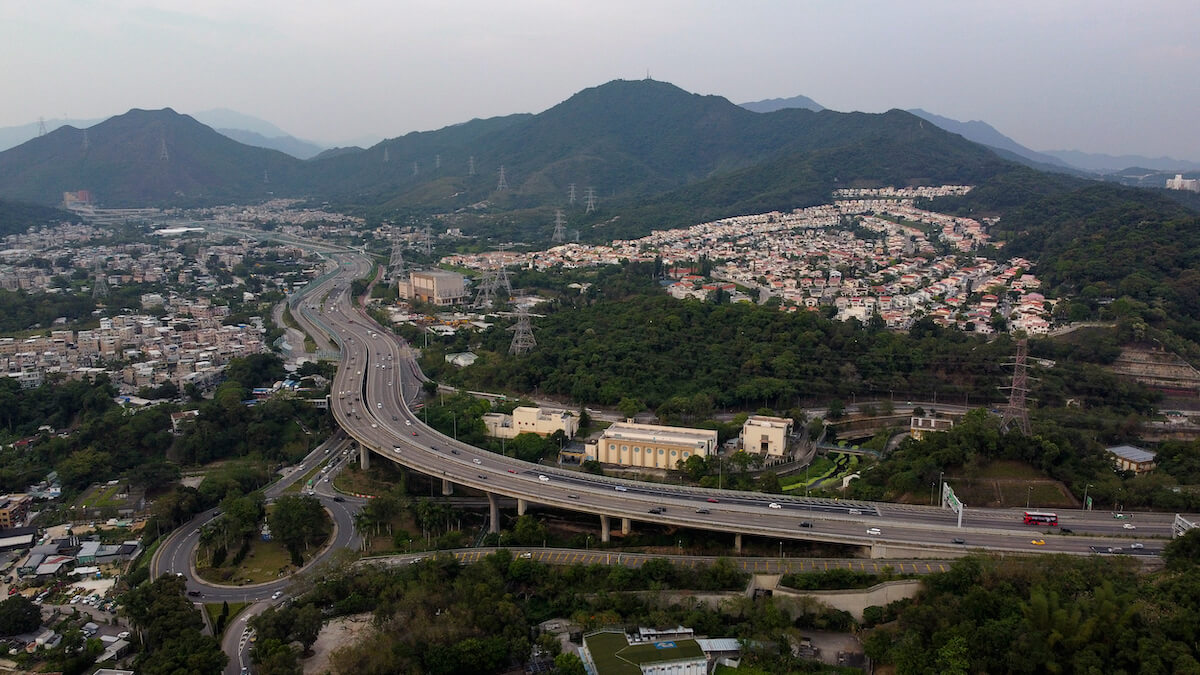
1085	501
587	545
941	485
1028	496
781	549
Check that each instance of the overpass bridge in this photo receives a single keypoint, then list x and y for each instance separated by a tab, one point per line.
378	375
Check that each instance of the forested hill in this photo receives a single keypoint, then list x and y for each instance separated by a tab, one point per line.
17	217
144	157
632	142
1098	242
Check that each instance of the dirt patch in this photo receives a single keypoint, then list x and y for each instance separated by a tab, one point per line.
334	634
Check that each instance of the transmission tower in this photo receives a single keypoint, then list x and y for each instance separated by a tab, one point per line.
162	149
428	241
471	165
503	185
1015	411
266	177
437	162
493	280
396	264
591	200
87	142
522	340
100	285
560	230
41	126
571	193
386	157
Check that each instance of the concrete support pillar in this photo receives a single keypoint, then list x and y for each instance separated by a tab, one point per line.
364	457
522	507
625	525
737	543
605	530
493	514
447	487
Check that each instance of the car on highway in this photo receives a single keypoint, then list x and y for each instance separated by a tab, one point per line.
572	496
1038	542
774	505
542	477
414	433
855	512
407	423
873	531
805	523
958	540
276	595
657	510
195	594
339	498
481	476
1136	545
702	510
621	488
1129	526
453	451
1066	530
1120	516
477	461
374	425
712	500
394	418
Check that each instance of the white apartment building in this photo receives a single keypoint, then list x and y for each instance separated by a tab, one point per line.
765	435
525	419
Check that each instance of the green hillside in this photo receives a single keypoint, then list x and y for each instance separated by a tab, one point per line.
17	217
144	157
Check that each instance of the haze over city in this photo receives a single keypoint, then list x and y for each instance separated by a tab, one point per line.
1099	77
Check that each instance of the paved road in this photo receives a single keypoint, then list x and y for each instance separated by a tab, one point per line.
568	556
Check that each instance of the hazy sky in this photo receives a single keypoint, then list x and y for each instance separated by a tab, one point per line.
1098	76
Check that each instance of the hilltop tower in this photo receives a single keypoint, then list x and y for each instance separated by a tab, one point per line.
591	200
503	184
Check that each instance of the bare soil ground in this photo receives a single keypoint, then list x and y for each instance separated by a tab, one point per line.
335	634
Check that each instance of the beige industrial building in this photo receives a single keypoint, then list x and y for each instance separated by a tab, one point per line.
767	436
524	419
438	287
650	445
1132	458
921	426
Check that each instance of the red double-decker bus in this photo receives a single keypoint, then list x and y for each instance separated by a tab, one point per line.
1041	518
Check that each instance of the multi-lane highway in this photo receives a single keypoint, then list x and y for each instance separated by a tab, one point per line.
379	373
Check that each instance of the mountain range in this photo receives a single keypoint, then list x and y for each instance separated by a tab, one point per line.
238	126
637	145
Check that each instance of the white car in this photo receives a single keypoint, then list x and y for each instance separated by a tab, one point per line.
543	478
476	460
276	595
773	505
123	635
873	531
1129	526
408	423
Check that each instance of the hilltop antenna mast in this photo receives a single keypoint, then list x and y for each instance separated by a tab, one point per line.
571	193
87	142
416	168
41	126
100	285
386	157
591	200
1015	412
560	230
523	340
471	165
503	184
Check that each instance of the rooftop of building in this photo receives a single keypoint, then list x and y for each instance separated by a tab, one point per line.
1132	453
633	431
614	655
